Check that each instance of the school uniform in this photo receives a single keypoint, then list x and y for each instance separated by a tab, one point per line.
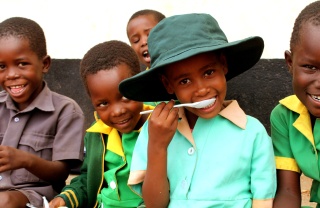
296	142
105	170
226	161
51	127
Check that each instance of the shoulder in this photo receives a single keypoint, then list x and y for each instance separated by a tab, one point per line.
253	124
3	96
64	102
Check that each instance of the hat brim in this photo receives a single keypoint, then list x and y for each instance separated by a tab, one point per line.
147	87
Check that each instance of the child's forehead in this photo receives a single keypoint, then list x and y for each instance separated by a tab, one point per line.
20	41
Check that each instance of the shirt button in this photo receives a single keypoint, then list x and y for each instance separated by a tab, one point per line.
113	185
191	151
16	119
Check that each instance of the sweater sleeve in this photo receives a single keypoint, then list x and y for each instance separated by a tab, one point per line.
75	194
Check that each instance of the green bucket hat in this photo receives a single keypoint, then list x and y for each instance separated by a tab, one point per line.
179	37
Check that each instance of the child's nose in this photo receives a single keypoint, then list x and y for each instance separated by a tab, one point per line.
202	90
144	41
118	110
12	73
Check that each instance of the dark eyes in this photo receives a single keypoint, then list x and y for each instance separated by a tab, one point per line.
102	104
209	72
21	64
313	68
184	81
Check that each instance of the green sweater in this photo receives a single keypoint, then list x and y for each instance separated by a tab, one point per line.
95	179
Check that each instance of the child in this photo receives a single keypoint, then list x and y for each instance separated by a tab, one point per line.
41	132
295	121
138	29
216	156
110	140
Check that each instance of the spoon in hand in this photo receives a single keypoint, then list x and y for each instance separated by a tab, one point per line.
200	104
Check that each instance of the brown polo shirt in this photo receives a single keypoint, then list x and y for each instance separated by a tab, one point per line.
51	127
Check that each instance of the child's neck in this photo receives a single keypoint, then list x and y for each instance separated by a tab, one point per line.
141	121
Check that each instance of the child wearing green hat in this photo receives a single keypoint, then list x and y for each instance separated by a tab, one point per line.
295	124
215	156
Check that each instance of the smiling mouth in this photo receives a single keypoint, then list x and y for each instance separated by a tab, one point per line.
316	97
122	122
16	89
211	104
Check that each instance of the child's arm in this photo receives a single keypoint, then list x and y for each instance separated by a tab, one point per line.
288	190
162	126
51	171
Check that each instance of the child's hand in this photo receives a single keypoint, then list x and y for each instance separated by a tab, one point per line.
162	125
57	202
11	158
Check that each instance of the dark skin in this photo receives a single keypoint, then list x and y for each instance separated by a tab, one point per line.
113	109
21	75
304	66
196	78
288	190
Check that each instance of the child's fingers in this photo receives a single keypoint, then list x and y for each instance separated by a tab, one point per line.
163	109
173	117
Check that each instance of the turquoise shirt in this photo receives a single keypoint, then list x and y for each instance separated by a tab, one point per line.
296	144
226	161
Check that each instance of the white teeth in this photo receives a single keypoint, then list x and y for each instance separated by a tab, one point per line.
18	86
124	121
145	53
316	97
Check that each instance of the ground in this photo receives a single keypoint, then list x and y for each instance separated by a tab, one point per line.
305	190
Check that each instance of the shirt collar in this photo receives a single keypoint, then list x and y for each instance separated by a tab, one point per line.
230	110
114	143
302	123
294	104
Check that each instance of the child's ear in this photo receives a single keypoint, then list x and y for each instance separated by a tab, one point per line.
166	84
288	57
46	61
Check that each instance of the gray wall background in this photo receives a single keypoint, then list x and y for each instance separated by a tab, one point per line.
257	90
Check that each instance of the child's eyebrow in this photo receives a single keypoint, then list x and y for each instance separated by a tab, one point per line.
180	76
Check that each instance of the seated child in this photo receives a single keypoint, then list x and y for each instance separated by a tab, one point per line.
138	29
214	156
295	120
41	132
110	140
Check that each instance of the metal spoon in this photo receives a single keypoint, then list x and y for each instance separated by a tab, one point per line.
200	104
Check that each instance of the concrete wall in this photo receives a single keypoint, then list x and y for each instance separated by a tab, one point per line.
257	90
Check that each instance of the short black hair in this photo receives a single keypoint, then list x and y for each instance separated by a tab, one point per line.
107	55
311	14
27	29
158	16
